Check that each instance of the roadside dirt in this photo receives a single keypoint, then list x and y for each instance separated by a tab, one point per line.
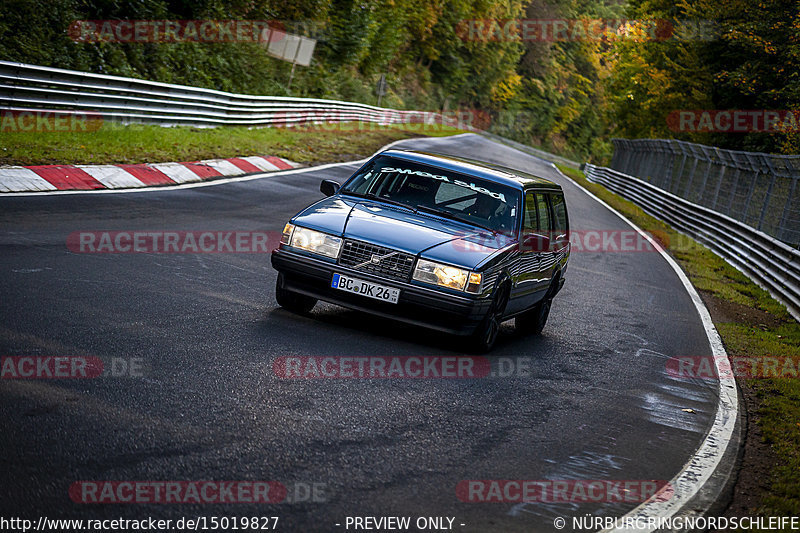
727	311
757	459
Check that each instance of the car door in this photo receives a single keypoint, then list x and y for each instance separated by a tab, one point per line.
535	263
560	239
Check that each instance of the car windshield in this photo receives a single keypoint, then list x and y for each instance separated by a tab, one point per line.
471	200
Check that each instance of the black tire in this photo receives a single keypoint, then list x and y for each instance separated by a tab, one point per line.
534	320
292	301
485	336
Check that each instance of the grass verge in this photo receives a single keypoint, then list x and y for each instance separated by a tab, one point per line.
114	144
753	326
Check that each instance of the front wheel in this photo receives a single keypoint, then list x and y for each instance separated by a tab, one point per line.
485	336
292	301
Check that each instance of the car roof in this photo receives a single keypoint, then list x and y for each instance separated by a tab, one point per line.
490	171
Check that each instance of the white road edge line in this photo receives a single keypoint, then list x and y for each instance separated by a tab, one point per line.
699	468
197	184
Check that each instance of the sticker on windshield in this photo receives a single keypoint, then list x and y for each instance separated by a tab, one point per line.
439	177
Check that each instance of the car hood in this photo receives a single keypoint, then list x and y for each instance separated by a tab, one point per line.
398	228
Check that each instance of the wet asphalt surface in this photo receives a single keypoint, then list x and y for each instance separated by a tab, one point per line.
592	402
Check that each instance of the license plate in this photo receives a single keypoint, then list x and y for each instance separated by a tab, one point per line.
365	288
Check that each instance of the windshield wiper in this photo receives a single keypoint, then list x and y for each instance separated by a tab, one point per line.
379	199
452	216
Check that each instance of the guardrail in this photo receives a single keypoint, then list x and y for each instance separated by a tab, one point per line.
541	154
35	88
769	262
755	188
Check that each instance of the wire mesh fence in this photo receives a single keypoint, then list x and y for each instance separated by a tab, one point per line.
757	189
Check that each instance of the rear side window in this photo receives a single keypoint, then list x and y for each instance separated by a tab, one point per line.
537	214
543	225
531	221
561	225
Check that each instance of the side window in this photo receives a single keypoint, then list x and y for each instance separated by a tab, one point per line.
559	213
543	226
530	224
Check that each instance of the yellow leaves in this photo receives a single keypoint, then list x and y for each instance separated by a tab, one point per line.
538	85
507	89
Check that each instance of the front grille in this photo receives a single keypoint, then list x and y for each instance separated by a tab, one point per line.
362	255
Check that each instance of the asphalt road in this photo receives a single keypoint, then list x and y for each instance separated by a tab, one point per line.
596	403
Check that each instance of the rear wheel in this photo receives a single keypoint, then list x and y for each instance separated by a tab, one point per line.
534	320
485	336
292	301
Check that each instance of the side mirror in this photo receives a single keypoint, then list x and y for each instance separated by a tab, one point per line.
533	242
328	187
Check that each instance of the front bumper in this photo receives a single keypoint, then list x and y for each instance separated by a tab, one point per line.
421	306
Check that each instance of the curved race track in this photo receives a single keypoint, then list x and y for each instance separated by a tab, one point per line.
596	403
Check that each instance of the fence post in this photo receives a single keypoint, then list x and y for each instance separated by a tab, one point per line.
650	157
733	189
769	192
786	207
750	195
719	184
691	178
667	181
640	154
680	172
705	181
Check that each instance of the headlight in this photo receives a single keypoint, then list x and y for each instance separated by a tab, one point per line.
312	241
447	276
286	237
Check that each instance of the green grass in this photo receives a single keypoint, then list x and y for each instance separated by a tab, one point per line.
113	143
763	328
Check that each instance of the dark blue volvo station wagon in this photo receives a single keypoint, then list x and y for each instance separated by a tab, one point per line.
432	240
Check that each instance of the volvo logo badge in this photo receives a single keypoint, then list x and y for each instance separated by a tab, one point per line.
374	259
